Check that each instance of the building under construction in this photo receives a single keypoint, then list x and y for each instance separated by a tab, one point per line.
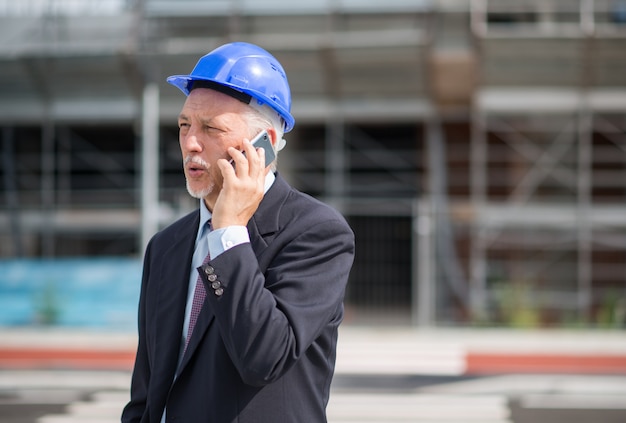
477	148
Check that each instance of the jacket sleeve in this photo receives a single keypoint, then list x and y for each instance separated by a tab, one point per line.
269	319
136	407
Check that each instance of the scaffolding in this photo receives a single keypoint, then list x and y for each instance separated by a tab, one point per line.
481	143
548	170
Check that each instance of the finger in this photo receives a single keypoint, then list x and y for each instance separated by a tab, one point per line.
226	167
250	150
261	152
255	160
238	161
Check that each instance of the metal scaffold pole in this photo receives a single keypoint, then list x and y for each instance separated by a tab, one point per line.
335	162
10	189
585	232
423	310
149	163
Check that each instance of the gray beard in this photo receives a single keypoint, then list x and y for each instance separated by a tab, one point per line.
200	194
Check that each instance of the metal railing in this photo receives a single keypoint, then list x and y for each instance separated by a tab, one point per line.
62	7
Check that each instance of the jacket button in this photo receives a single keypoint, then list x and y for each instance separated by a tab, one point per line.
219	292
209	270
212	277
216	284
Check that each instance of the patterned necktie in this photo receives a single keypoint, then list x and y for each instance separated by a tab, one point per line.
198	299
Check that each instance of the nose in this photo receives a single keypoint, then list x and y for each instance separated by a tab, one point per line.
189	142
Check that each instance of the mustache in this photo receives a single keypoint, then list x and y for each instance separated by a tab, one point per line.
195	160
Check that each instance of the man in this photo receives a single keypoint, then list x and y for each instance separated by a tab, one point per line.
249	335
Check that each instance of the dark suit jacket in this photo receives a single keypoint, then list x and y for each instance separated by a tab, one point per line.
263	351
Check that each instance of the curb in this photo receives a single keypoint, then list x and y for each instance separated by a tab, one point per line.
361	350
54	358
486	363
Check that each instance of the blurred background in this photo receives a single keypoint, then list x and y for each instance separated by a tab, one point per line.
477	148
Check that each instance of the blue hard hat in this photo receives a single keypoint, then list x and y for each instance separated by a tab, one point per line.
244	71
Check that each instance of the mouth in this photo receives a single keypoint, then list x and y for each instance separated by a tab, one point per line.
195	166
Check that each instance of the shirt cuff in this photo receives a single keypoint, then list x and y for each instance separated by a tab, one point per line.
223	239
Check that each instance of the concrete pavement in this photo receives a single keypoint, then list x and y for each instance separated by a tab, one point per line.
480	351
383	375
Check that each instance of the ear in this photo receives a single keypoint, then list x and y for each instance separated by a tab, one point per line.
272	133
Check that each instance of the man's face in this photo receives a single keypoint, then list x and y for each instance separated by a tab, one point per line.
209	123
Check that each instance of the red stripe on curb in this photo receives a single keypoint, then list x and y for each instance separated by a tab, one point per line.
28	358
545	363
476	363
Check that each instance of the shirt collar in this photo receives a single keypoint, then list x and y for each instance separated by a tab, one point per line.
205	214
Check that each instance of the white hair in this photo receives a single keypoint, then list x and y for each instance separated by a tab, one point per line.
261	117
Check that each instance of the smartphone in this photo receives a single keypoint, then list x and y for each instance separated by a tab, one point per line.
263	140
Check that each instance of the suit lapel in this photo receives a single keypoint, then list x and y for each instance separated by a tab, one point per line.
261	228
173	286
265	222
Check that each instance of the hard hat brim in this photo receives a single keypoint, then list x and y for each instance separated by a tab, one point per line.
185	84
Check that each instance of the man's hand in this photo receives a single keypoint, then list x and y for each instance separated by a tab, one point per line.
242	189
